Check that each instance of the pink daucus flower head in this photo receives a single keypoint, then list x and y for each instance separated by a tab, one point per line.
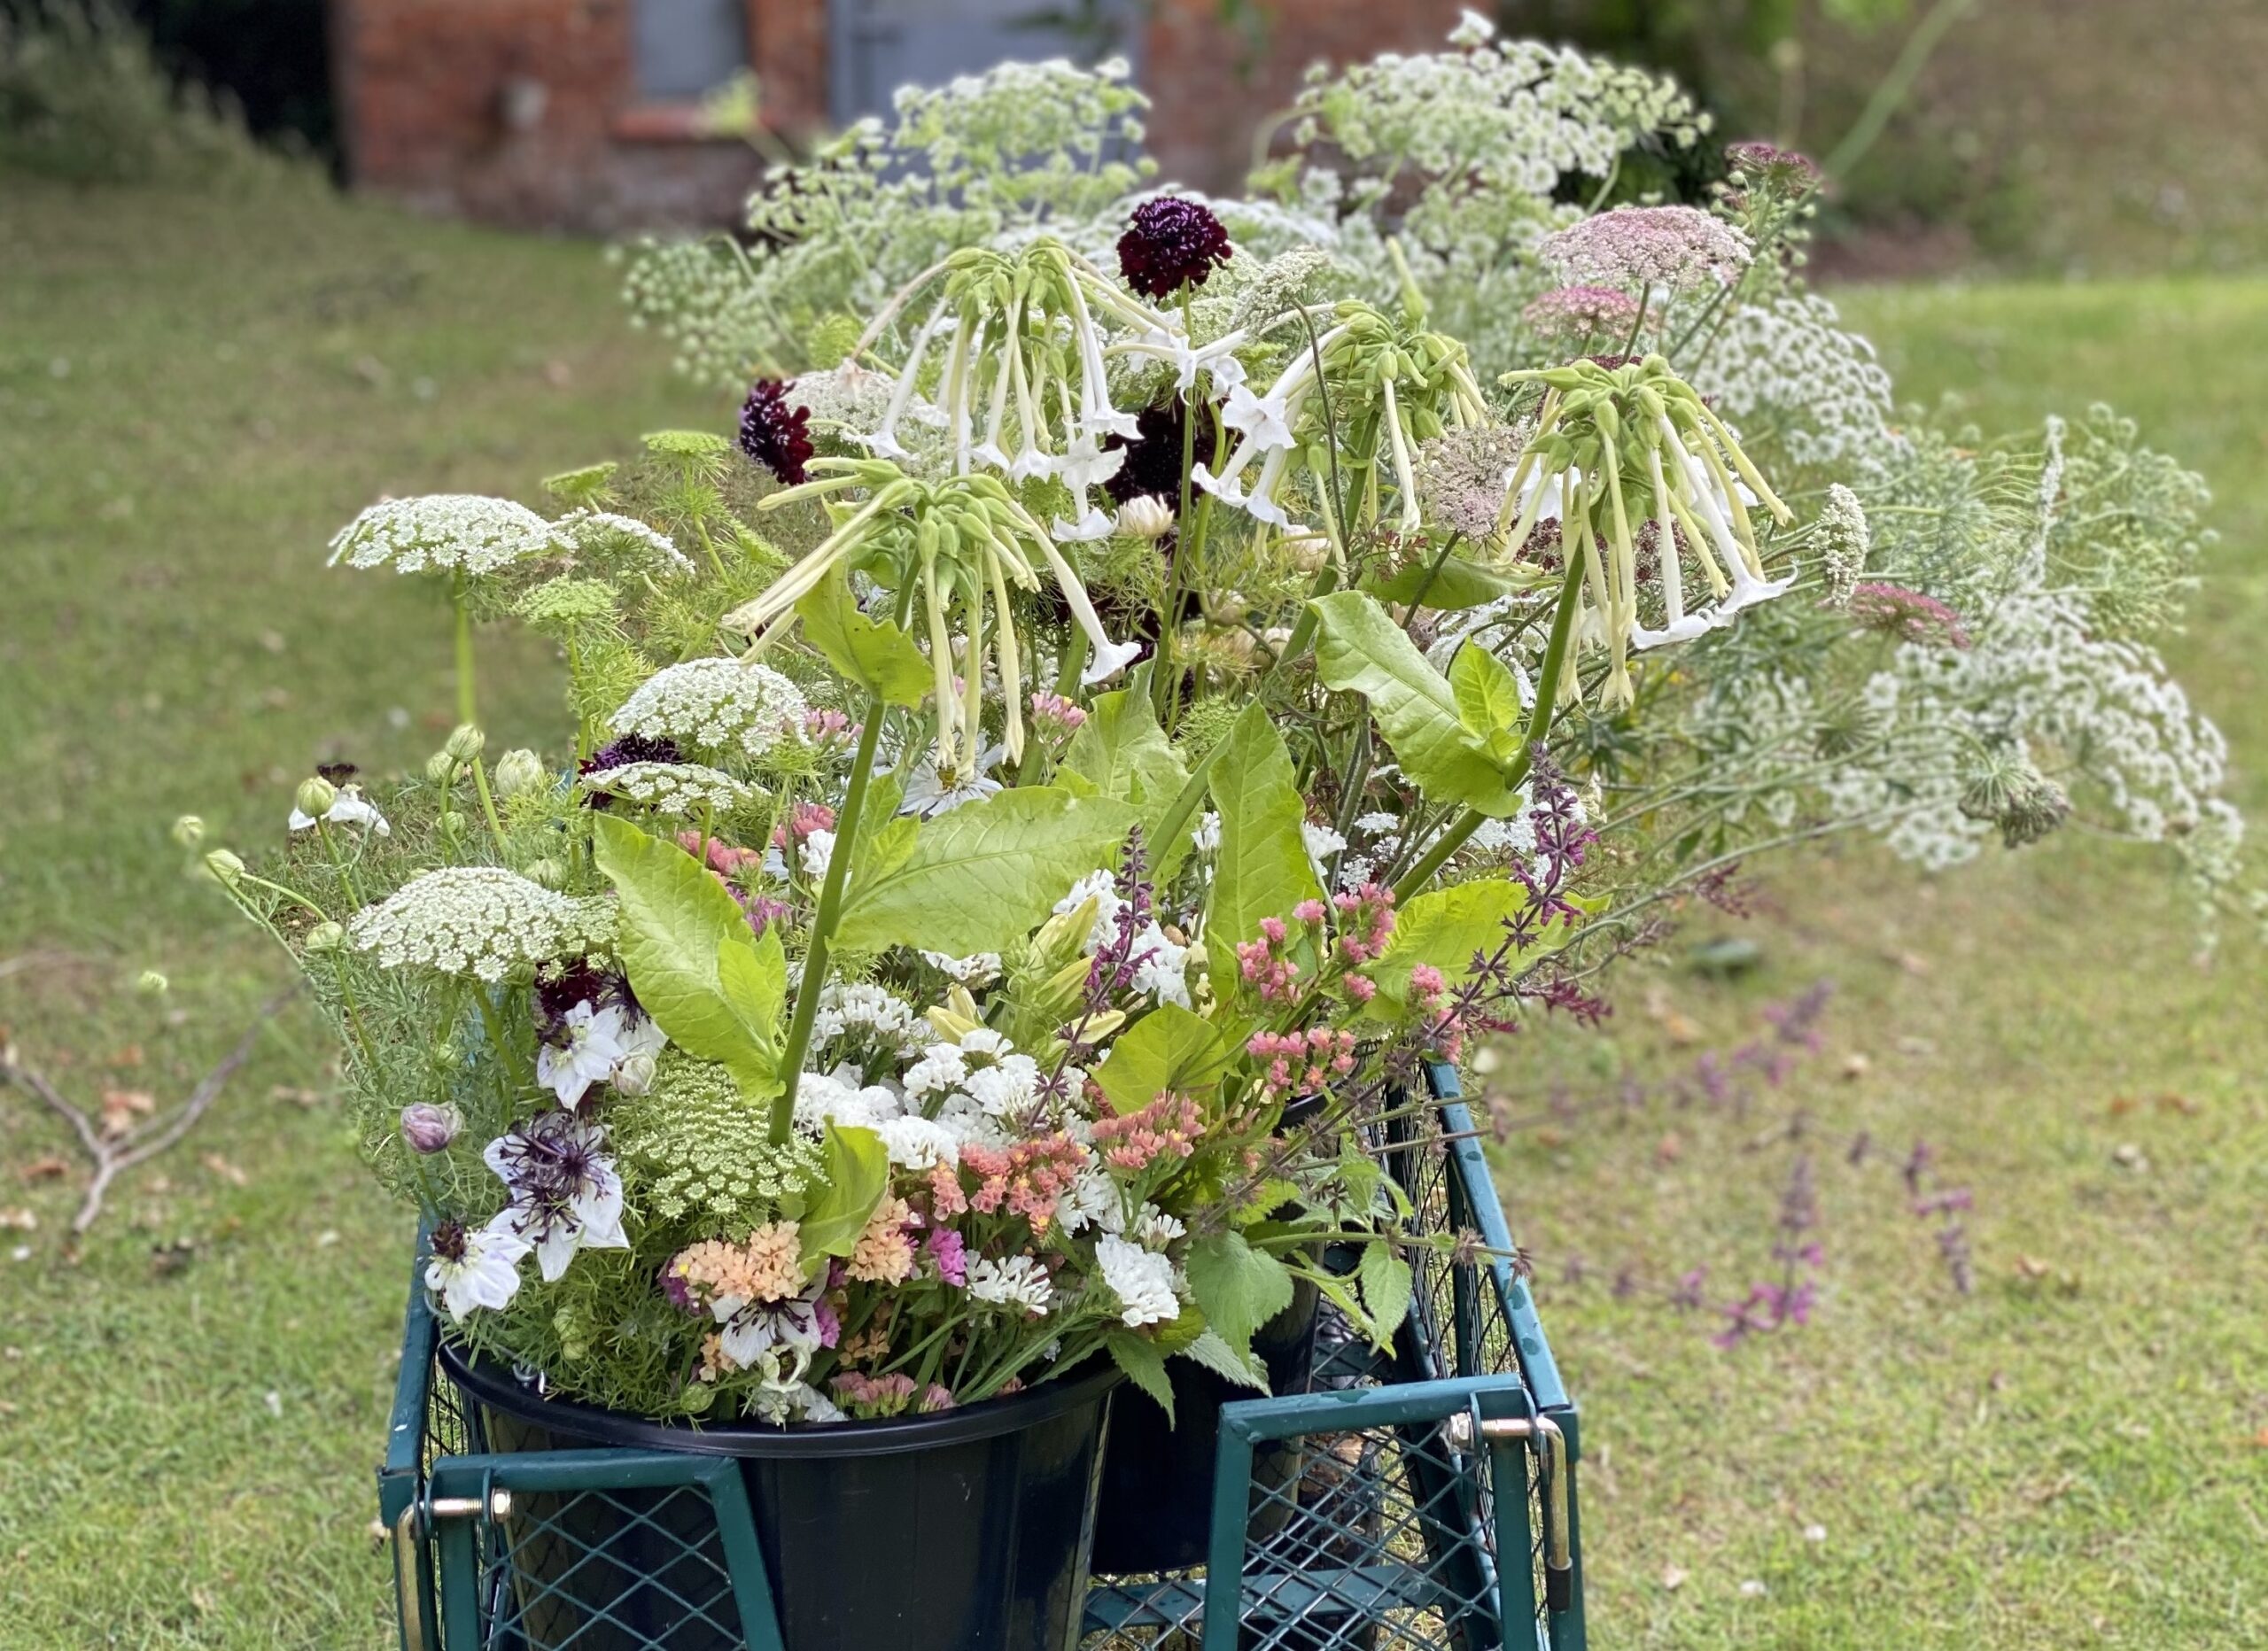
1639	248
1570	315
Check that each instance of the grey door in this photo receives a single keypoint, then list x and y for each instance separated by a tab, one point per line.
876	46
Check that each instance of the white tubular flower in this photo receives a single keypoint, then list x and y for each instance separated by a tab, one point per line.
1141	1279
1264	420
683	789
472	1267
884	440
460	533
715	705
477	920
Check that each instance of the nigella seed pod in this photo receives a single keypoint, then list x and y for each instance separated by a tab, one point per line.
521	772
429	1129
464	742
325	937
635	1076
317	794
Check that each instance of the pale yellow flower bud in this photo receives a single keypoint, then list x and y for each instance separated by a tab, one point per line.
440	767
151	984
521	772
325	937
189	831
1146	516
317	794
465	742
225	866
635	1076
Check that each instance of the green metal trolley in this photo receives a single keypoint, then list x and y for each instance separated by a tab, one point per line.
1431	1506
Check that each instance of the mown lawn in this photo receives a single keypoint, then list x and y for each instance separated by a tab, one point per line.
194	393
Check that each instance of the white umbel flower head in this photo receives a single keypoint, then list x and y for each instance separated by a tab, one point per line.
480	920
460	532
678	789
715	705
1141	1279
612	536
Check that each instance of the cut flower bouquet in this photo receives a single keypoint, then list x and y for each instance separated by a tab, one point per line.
1028	811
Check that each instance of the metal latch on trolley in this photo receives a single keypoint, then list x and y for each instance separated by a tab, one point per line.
409	1531
1540	1434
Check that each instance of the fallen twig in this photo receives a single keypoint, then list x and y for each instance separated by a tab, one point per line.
143	1141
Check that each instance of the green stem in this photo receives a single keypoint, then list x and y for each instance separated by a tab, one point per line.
830	912
1539	724
1161	682
520	1073
1912	58
465	710
487	801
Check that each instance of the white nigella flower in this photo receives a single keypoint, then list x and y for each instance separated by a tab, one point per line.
565	1193
1141	1279
349	808
930	791
587	1047
779	1337
1017	1280
473	1267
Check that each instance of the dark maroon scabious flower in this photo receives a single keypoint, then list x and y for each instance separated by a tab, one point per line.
1153	454
1170	244
774	433
632	748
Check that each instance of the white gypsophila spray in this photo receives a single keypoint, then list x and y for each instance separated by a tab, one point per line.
463	532
715	705
679	788
480	920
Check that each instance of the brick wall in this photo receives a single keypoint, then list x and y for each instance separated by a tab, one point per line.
525	112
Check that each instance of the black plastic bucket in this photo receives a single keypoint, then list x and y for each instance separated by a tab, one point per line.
968	1528
1157	1495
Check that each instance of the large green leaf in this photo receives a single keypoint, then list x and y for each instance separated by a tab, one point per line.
1458	584
1360	650
713	989
1487	701
1143	1364
872	653
1262	869
858	1175
1386	1281
1238	1287
1121	749
1168	1049
1444	927
983	876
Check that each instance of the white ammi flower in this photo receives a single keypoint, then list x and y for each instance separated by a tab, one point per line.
464	533
480	920
1141	1279
715	705
679	788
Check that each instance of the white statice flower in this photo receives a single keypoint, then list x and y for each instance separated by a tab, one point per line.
460	533
1017	1280
603	532
862	1008
480	920
1155	1228
589	1044
475	1267
939	1070
715	705
817	854
839	1098
919	1143
1322	843
1094	1201
1163	971
566	1195
793	1401
349	808
682	789
980	968
1007	1089
1141	1279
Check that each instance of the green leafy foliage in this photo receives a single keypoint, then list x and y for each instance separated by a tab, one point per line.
1445	927
983	876
1385	1281
1238	1287
1143	1364
858	1175
717	992
1487	701
1262	869
872	653
1124	753
1359	650
1455	586
1168	1049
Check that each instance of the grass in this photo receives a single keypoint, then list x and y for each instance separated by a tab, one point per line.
193	393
